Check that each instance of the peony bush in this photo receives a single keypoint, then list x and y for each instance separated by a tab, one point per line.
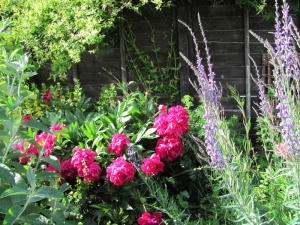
71	163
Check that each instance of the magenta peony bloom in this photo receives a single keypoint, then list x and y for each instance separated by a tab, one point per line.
82	156
47	96
26	118
118	143
178	121
92	172
67	170
83	161
169	147
46	141
152	165
173	122
161	123
57	127
162	108
30	149
120	171
148	219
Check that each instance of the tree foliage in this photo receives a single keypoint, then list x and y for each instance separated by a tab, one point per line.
59	31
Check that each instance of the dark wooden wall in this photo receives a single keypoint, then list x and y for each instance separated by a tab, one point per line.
224	27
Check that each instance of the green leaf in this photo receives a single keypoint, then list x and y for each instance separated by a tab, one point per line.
58	216
5	205
34	219
14	191
30	177
35	199
79	115
3	115
124	119
140	134
19	199
47	175
64	187
149	133
6	175
12	215
20	182
185	194
49	192
15	126
53	160
36	125
4	87
120	108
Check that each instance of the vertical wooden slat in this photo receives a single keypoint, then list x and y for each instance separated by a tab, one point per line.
183	47
247	61
175	36
122	51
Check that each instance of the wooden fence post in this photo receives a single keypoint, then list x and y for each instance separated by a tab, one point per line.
247	61
122	52
183	14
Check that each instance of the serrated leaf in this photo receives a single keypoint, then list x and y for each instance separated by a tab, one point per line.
49	192
6	175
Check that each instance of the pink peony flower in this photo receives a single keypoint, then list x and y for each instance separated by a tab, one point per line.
148	219
173	122
161	123
26	118
46	141
30	149
82	156
178	121
169	147
47	96
83	161
92	172
152	165
120	171
67	170
118	143
162	108
57	127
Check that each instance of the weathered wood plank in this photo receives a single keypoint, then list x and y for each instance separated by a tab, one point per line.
221	35
217	10
184	47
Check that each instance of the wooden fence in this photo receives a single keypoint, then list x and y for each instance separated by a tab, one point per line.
227	32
